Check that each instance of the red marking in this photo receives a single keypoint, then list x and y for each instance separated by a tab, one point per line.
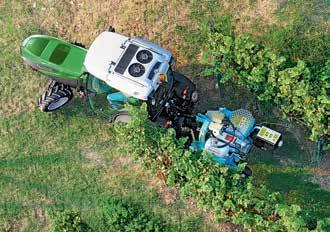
185	91
168	124
229	138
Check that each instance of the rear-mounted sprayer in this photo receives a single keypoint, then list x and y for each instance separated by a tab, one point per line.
229	136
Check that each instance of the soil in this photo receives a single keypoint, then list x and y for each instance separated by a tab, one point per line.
94	158
321	174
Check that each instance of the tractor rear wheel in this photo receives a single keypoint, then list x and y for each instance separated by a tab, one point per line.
78	44
56	96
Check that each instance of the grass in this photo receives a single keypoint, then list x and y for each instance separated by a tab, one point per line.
67	160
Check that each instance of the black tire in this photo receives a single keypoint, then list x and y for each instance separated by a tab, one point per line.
78	44
123	117
247	172
56	96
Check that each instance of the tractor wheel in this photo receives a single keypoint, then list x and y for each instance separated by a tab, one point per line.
124	117
56	96
247	172
78	44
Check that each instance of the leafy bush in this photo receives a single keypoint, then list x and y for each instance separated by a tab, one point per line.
68	221
121	214
295	90
292	71
196	175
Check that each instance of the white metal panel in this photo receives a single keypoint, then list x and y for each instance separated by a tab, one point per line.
104	50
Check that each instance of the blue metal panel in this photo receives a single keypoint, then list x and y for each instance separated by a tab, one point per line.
117	100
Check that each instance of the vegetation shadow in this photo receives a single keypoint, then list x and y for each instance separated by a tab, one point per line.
298	190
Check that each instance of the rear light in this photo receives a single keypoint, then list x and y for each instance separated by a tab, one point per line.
185	92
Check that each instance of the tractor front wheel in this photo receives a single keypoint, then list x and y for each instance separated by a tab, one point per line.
123	117
56	96
247	172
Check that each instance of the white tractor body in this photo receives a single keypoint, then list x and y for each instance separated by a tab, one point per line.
130	65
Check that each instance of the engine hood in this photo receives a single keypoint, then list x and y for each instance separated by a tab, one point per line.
114	59
105	49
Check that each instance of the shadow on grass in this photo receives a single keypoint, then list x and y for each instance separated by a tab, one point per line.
40	160
298	190
291	153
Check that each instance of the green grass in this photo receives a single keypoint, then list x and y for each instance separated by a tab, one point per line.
293	184
305	34
67	159
17	84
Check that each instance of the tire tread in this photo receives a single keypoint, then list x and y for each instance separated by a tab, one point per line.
54	92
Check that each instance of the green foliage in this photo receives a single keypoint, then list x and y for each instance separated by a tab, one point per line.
295	90
283	64
323	225
213	186
286	213
121	214
68	221
303	34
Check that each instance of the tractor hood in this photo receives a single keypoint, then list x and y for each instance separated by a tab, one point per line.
130	65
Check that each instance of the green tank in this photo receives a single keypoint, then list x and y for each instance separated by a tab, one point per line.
55	58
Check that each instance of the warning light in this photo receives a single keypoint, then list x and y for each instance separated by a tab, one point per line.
162	78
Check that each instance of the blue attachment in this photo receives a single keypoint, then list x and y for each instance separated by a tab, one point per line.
242	131
227	112
199	145
117	100
206	123
230	161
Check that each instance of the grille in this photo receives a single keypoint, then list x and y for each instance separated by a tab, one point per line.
126	58
152	72
243	121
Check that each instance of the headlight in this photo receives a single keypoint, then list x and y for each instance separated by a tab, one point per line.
194	97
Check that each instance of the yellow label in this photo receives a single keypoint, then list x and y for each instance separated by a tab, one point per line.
215	126
269	135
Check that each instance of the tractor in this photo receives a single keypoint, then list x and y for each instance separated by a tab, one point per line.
130	70
125	70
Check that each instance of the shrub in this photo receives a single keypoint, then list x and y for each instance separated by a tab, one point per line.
297	92
292	70
213	186
68	221
121	214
